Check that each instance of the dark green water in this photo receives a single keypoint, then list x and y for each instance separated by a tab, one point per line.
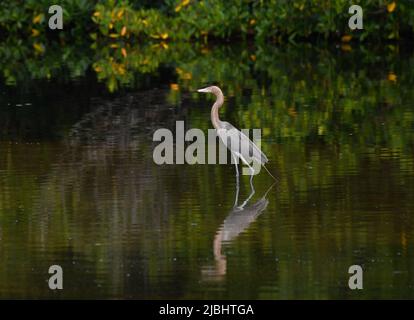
79	188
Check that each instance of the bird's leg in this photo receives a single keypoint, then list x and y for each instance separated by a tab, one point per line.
236	200
235	163
237	181
251	178
251	184
248	198
252	173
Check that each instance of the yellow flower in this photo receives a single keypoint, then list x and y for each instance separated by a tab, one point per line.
114	35
346	38
120	13
164	36
392	77
38	18
253	57
35	33
183	3
121	69
98	69
174	86
39	47
252	22
391	6
123	31
187	76
124	52
97	14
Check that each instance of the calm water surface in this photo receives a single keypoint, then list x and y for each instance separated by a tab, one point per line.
79	188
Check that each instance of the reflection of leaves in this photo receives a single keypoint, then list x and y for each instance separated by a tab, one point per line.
19	61
117	65
343	105
290	92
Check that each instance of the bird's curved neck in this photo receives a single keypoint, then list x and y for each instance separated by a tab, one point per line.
214	111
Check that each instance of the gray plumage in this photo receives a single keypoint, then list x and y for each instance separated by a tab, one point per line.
235	140
239	219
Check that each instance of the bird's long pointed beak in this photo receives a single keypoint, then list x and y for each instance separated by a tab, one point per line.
202	90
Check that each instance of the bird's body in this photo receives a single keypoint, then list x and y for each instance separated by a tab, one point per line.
240	146
247	148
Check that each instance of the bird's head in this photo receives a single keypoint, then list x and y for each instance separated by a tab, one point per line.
213	89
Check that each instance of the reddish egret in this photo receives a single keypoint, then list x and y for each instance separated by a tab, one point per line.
245	148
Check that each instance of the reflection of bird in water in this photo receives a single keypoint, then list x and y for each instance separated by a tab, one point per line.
243	148
238	220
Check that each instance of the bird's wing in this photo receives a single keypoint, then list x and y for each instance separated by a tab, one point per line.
247	148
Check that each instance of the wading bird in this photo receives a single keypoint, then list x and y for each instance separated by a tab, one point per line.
244	149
